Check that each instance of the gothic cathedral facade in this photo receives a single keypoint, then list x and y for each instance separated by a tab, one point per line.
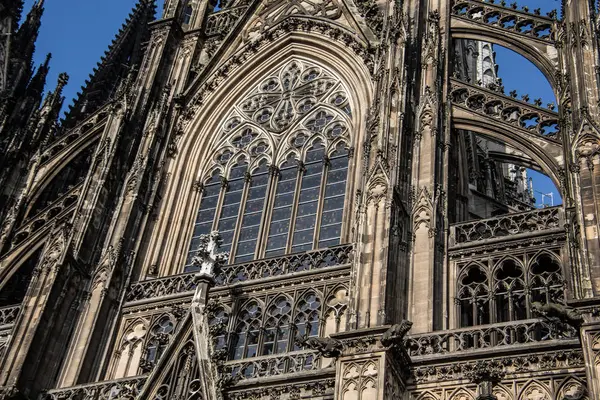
303	199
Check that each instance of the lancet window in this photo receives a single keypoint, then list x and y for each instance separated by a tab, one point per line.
277	180
504	292
274	331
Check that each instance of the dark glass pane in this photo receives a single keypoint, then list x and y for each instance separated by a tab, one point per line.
337	175
284	199
331	231
253	206
202	229
329	243
209	202
205	215
249	233
335	189
245	248
333	203
227	224
280	217
309	194
305	222
301	237
338	162
307	208
276	242
303	247
286	186
252	215
331	217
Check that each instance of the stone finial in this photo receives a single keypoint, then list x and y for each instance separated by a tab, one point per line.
208	259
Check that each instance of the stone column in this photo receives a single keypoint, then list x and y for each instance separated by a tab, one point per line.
590	343
578	94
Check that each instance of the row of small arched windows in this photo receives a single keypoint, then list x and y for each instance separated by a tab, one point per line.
506	293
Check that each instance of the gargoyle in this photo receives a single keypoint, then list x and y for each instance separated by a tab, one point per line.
396	333
559	313
328	347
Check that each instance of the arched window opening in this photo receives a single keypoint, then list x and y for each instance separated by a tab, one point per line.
15	289
333	205
218	321
157	345
308	201
277	327
247	331
282	209
231	203
188	12
206	216
289	141
252	214
511	303
474	298
307	319
547	283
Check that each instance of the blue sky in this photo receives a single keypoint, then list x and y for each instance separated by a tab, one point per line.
77	32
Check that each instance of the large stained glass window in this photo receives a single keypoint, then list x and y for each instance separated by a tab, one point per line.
277	180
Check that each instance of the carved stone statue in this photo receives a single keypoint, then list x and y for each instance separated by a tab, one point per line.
396	333
559	313
328	347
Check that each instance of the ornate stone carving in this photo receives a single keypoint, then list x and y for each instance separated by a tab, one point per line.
395	335
326	346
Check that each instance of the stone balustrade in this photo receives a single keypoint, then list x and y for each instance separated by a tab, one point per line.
244	272
485	337
510	225
127	388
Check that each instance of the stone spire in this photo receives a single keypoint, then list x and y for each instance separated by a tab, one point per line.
123	53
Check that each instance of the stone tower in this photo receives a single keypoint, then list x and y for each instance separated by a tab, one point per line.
302	199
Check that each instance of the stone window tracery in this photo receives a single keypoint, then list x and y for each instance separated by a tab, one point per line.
505	291
277	180
257	333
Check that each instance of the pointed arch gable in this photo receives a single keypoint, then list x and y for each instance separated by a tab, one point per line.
195	144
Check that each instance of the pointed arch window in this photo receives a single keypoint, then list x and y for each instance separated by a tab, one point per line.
277	327
308	315
283	155
188	12
505	291
247	331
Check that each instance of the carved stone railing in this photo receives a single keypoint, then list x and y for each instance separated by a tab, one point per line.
274	365
485	337
540	220
244	272
497	106
221	22
8	315
534	26
127	388
63	204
